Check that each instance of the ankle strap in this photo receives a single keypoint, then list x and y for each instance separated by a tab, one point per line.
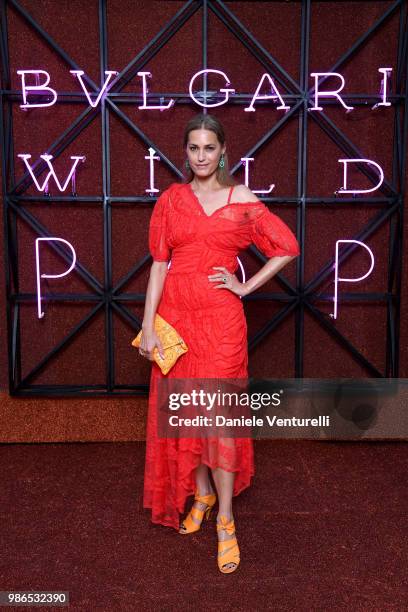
204	498
228	526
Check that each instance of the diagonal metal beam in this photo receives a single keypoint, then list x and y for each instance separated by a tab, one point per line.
369	229
58	147
64	342
41	230
269	134
271	324
345	144
342	340
50	41
359	42
151	49
136	130
261	54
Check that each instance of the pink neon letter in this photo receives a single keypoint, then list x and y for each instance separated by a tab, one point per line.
368	161
151	159
271	96
334	93
32	88
79	74
387	75
223	89
47	158
337	278
40	276
245	161
145	91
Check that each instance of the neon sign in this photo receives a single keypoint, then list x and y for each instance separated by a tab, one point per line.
367	161
39	87
245	161
271	96
328	94
79	74
48	158
37	268
338	279
383	90
42	88
225	90
151	157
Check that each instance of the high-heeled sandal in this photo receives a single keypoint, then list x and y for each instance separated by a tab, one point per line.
191	526
228	550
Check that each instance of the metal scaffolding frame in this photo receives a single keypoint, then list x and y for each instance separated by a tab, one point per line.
299	297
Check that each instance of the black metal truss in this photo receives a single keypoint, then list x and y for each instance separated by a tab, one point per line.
105	295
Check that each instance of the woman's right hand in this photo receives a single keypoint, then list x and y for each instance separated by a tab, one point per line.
149	341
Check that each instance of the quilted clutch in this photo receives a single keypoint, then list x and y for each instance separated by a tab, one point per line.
172	343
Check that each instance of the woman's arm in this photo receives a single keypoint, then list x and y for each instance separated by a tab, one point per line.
272	267
158	273
154	291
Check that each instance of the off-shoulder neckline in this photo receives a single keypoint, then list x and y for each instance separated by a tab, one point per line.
217	209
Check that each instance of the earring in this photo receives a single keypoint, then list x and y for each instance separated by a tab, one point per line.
221	163
187	165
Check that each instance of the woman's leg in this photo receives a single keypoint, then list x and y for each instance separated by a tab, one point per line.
224	482
203	483
204	487
224	478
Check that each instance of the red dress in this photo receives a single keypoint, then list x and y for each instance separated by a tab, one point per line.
212	323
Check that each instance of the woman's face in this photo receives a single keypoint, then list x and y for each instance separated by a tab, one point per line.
203	152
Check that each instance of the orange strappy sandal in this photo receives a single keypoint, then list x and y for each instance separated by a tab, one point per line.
228	550
189	525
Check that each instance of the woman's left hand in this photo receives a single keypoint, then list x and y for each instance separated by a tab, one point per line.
231	281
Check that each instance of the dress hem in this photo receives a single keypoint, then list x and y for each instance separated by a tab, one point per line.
190	492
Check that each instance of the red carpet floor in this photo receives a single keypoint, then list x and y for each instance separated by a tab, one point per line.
323	527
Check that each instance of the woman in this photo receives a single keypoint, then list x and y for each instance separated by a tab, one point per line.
201	225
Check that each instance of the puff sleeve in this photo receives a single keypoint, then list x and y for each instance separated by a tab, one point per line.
272	236
158	229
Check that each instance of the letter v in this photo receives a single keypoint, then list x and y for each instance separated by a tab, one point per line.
79	74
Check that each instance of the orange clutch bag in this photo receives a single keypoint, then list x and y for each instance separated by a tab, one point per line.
172	343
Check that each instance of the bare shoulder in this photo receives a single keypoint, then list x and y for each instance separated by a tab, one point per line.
242	193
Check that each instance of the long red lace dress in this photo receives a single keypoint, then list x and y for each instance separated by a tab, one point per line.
212	323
